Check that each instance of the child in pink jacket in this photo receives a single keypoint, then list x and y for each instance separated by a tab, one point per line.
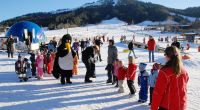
116	67
39	65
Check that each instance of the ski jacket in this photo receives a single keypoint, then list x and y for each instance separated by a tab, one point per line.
112	54
170	91
151	44
131	72
152	78
122	73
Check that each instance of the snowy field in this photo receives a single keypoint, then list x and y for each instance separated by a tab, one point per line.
49	94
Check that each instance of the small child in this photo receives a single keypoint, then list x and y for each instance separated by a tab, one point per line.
131	73
152	79
143	77
116	67
20	69
121	76
33	67
39	65
49	64
27	68
187	46
75	65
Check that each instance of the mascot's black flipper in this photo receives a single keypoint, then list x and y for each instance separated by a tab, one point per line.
55	69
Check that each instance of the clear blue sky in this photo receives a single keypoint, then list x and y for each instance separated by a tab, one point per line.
13	8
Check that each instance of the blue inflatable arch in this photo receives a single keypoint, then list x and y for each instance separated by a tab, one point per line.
20	30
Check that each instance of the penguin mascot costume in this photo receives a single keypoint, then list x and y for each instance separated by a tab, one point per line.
63	64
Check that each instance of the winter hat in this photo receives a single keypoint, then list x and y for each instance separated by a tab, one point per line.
142	66
155	66
25	59
112	41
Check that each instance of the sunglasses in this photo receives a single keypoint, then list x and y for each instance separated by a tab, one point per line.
165	54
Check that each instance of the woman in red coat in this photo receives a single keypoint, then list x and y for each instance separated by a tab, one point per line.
151	47
170	92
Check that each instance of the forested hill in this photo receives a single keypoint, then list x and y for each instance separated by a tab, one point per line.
130	11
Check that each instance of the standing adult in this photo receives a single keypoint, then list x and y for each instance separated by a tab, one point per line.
176	43
87	43
133	37
112	56
51	46
54	42
131	49
28	43
2	44
63	64
10	46
151	47
82	45
98	42
88	58
75	46
170	92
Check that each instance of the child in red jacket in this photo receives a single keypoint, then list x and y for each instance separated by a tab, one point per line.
49	62
121	76
131	73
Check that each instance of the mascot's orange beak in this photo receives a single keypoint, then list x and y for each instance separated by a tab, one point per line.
68	46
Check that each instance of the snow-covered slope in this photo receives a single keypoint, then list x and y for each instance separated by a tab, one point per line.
60	11
151	23
113	21
48	94
191	19
101	2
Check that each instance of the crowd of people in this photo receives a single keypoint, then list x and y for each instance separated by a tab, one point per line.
166	84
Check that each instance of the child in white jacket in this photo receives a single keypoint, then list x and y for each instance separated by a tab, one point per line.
152	79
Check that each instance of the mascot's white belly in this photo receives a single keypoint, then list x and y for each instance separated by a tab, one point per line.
66	62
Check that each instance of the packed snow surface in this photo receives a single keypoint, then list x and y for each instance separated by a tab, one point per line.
49	94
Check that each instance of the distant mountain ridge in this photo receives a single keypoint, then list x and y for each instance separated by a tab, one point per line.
130	11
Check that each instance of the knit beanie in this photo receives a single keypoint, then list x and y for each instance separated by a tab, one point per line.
142	66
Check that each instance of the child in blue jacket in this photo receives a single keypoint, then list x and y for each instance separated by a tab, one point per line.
143	77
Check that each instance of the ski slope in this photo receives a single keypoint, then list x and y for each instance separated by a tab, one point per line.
49	94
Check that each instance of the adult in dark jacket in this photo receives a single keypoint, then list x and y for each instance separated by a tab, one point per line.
88	58
112	56
63	64
54	42
10	46
75	46
82	45
176	43
131	49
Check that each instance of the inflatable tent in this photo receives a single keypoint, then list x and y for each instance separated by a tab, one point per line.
27	30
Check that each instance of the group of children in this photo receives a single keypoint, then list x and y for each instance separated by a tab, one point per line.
145	80
41	63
